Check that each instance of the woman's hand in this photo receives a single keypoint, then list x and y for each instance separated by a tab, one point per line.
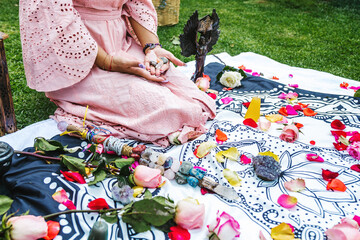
157	61
131	66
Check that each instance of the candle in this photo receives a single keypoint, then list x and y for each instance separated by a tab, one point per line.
99	231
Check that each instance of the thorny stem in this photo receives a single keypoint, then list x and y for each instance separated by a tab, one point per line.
57	159
77	211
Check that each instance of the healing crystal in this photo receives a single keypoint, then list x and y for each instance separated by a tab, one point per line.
168	162
180	178
198	173
186	167
192	181
62	126
176	165
169	174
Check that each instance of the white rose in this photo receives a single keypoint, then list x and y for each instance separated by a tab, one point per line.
231	79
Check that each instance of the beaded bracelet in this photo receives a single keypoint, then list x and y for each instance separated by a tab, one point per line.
151	46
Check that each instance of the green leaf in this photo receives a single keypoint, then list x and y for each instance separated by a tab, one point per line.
137	224
41	144
357	93
147	194
122	162
175	40
74	164
99	174
5	204
122	181
110	217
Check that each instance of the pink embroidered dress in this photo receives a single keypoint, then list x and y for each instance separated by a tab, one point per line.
60	40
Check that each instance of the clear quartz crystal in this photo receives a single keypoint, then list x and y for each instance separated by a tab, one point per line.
62	126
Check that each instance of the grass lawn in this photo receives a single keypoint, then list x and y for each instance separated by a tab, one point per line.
318	34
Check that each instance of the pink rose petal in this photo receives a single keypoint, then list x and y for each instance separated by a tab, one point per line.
256	74
287	201
227	100
61	197
295	185
297	107
244	159
294	85
290	110
314	157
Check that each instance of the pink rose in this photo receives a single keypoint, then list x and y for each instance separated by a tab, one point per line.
289	133
348	229
147	177
189	213
202	83
225	227
27	227
354	150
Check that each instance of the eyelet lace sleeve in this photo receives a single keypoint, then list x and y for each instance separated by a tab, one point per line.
58	50
143	12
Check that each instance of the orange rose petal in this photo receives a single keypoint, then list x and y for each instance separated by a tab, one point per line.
336	184
303	105
220	136
309	112
299	125
283	111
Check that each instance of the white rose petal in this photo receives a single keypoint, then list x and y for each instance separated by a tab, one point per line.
231	79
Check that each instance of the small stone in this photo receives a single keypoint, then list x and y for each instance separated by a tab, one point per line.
176	165
192	181
144	162
168	162
161	168
180	178
185	167
161	159
154	157
152	165
169	174
146	153
198	173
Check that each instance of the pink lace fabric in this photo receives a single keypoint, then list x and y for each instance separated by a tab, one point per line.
60	40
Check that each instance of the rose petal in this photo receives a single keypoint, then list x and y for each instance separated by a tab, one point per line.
283	111
227	100
204	148
298	125
337	134
329	175
179	233
336	184
294	85
355	138
312	142
274	117
97	204
297	107
344	85
73	177
303	105
290	110
287	201
282	232
295	185
337	124
340	146
309	112
355	167
283	121
282	96
250	122
212	95
232	154
53	230
232	177
314	157
356	218
256	74
271	154
220	136
61	197
264	125
244	159
246	104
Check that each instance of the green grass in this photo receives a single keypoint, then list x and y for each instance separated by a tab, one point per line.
319	34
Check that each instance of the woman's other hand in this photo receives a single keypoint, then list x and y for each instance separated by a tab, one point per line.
157	61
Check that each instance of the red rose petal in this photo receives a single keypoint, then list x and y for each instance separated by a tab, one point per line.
340	146
250	122
329	175
309	112
337	124
355	167
179	233
53	230
212	95
298	125
355	138
312	142
73	177
98	204
246	104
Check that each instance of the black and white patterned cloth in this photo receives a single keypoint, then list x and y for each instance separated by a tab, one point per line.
31	182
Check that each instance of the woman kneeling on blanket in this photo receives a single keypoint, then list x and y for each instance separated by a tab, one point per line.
105	54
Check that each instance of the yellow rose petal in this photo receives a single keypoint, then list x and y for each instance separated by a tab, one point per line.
282	232
204	148
220	157
232	154
137	190
232	177
271	154
274	117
